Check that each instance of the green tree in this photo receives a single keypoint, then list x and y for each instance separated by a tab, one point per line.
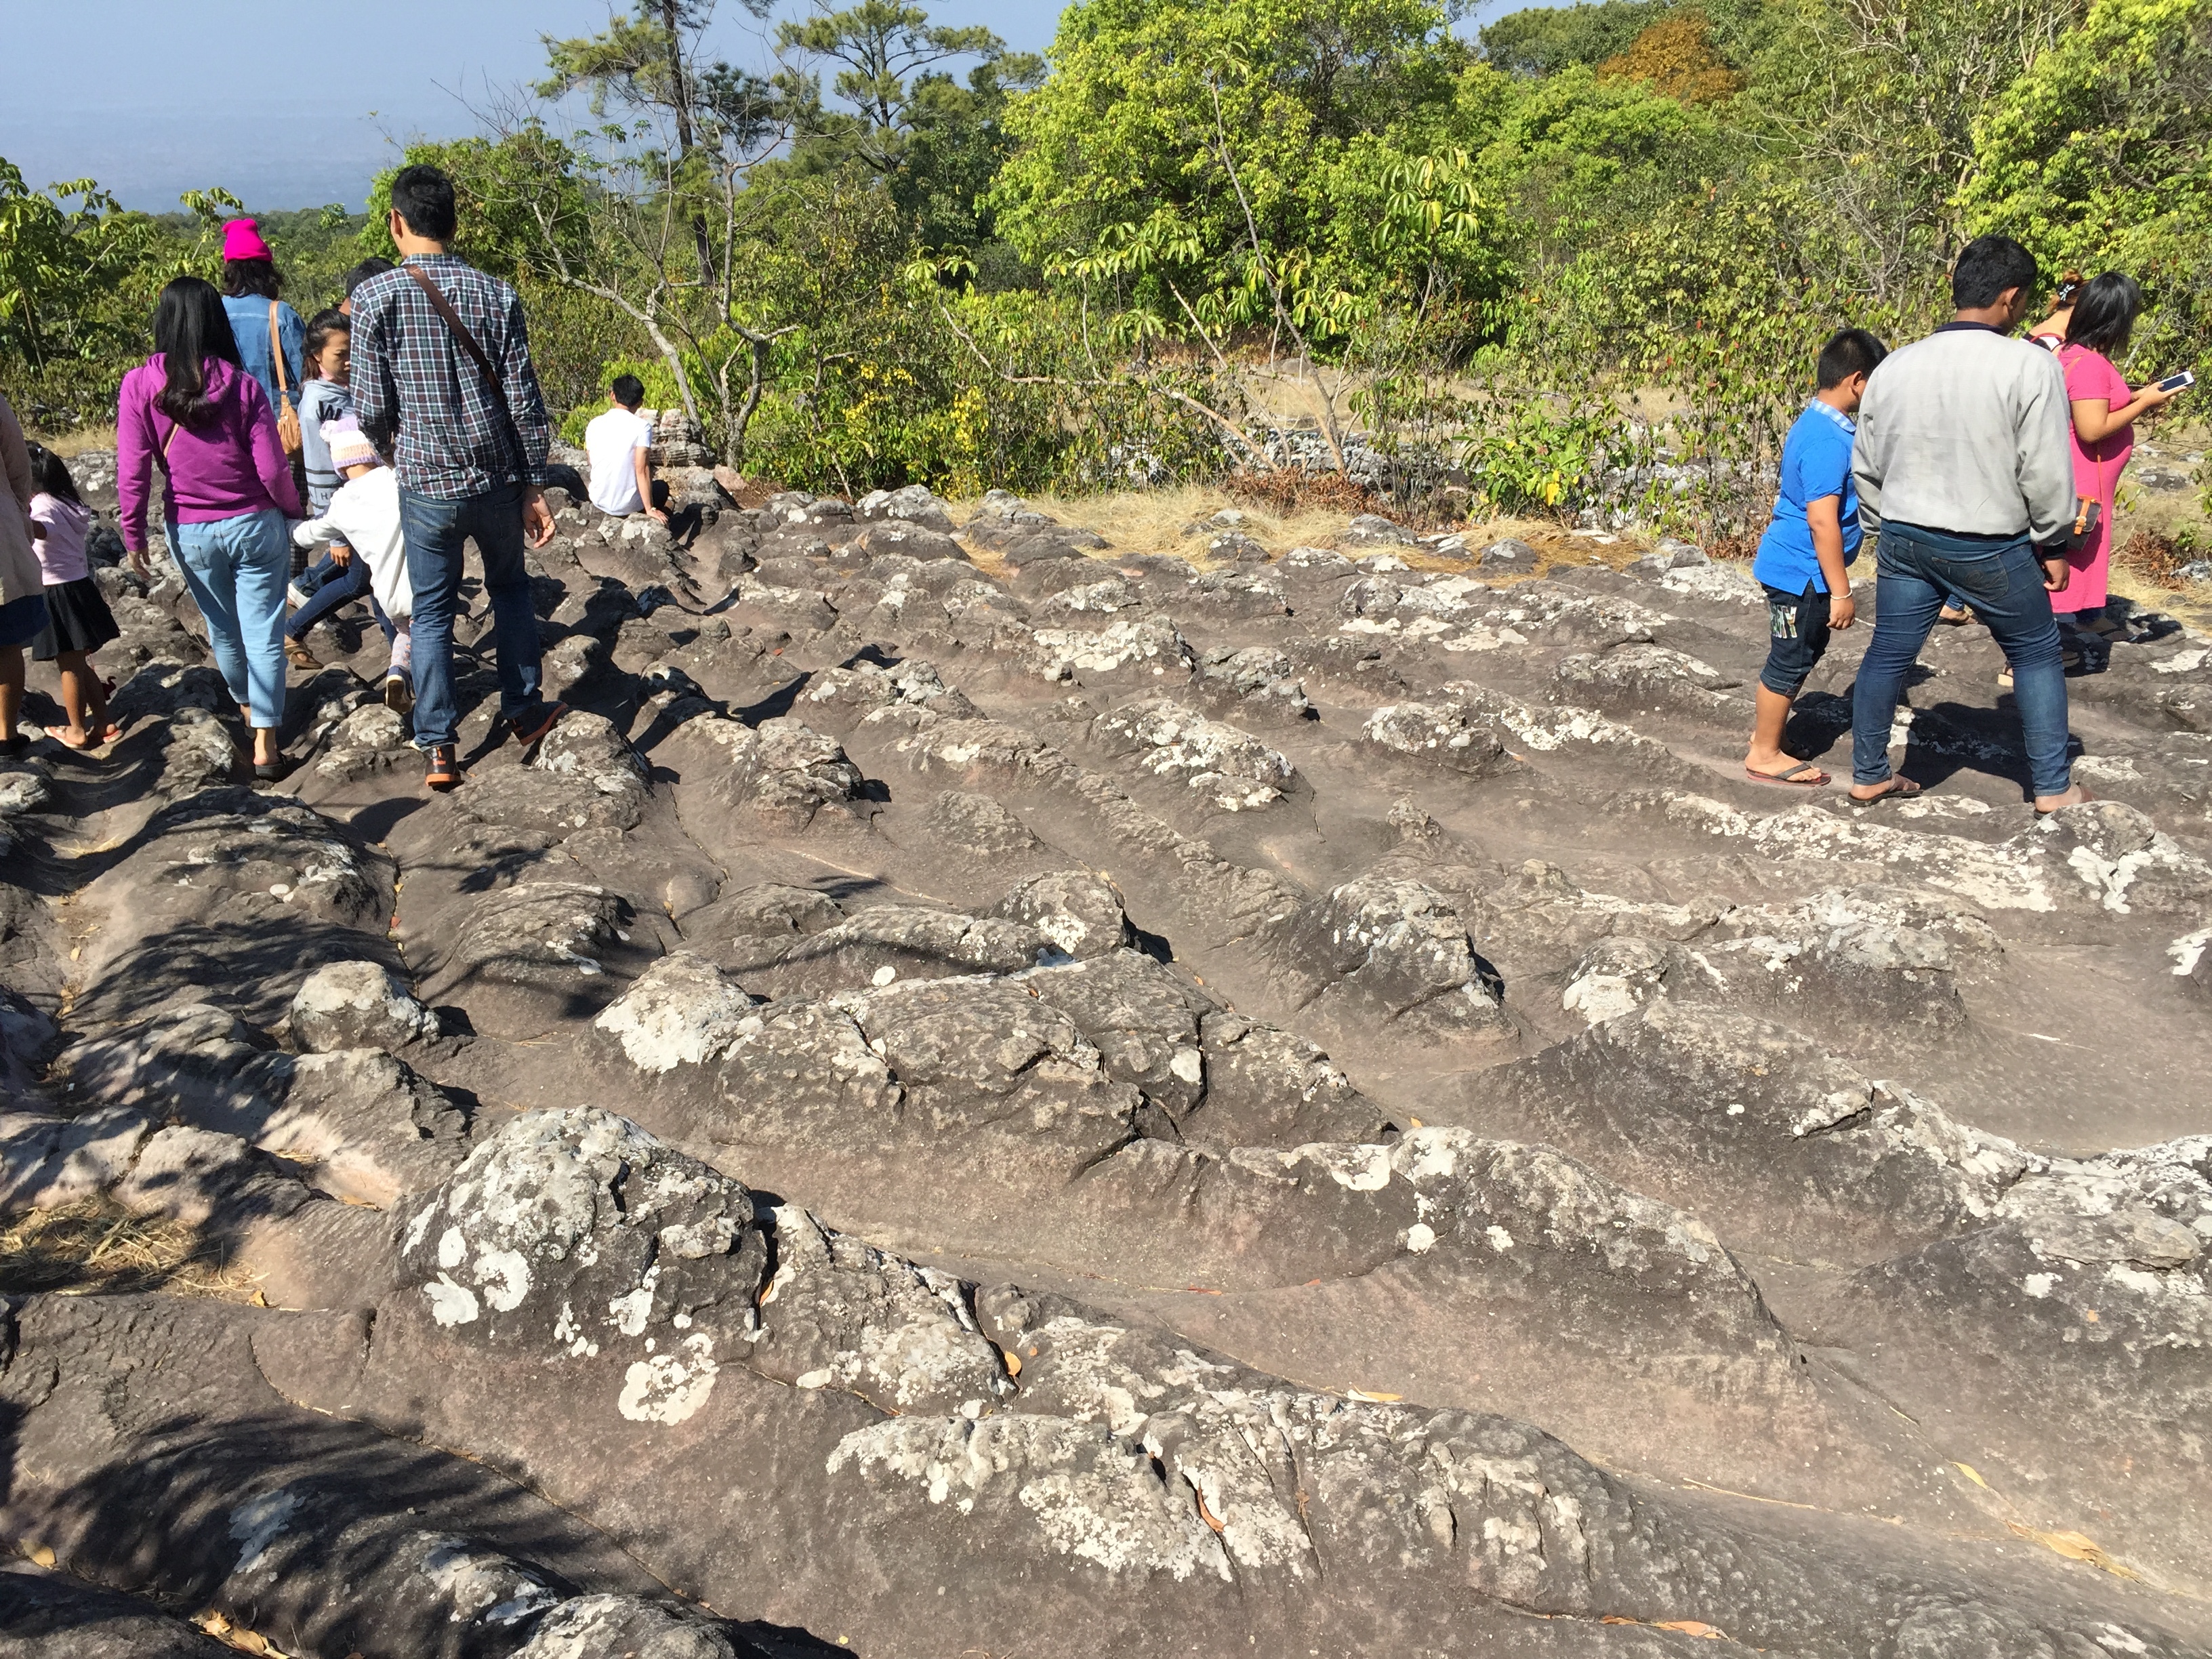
934	140
77	279
1184	154
1549	38
2101	157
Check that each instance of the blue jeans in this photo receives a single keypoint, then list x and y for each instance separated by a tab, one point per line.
235	570
333	587
435	530
1917	570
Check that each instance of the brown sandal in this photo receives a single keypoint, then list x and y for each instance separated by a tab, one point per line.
1899	789
301	657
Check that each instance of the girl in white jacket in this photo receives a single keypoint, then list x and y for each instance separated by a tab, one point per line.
364	515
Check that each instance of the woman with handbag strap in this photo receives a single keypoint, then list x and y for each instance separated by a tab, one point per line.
271	339
2103	409
268	332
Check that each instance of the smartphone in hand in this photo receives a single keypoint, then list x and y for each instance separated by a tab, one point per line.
2175	382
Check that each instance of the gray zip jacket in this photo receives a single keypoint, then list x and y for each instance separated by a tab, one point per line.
1966	431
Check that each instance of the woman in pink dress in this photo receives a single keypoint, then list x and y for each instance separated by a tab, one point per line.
2105	409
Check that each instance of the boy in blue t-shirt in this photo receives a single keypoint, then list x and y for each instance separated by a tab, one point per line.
1803	557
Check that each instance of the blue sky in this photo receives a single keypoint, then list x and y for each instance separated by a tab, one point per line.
290	105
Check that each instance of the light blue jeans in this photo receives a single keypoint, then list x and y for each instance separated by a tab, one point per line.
236	569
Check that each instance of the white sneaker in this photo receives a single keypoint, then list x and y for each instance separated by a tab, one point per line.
299	599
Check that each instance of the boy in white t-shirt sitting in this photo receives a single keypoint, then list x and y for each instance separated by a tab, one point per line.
618	443
362	522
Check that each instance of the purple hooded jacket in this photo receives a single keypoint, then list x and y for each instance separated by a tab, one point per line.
231	463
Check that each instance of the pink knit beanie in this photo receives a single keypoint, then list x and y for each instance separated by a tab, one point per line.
241	239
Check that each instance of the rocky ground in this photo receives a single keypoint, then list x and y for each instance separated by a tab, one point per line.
988	1094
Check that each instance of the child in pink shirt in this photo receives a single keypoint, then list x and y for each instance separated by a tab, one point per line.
78	621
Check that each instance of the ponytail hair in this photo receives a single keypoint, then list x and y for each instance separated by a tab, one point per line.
2069	287
51	476
191	328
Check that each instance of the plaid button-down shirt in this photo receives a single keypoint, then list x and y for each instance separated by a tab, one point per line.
410	373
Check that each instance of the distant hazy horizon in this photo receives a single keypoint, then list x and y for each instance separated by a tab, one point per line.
287	108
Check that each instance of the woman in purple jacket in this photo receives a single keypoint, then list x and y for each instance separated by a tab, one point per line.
193	409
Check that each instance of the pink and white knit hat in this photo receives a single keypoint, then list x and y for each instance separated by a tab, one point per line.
349	445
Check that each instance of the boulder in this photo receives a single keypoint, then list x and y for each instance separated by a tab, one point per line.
1727	1115
1394	952
358	1005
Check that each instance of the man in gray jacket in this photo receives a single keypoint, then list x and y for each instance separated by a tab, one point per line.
1963	469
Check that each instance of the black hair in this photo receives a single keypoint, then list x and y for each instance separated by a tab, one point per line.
320	327
374	265
190	328
628	390
1987	266
256	276
51	476
423	197
2105	314
1849	351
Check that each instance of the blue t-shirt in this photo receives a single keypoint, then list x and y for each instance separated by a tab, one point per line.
1816	461
249	323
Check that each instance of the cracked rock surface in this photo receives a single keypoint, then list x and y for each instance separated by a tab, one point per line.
987	1092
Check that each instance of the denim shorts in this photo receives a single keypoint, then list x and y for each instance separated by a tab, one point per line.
1797	638
21	620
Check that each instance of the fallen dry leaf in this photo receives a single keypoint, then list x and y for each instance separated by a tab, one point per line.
1376	1398
1689	1628
1967	1470
2074	1547
1013	1361
1207	1515
41	1556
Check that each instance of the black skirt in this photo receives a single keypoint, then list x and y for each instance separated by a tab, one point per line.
77	619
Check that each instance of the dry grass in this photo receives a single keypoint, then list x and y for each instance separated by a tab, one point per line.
2155	557
1153	520
70	445
95	1247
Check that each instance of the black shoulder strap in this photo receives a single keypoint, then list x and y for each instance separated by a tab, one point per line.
467	342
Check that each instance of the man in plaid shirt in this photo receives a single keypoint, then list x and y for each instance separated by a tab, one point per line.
469	455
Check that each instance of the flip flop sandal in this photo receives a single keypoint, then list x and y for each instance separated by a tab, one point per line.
1905	790
301	657
1794	776
444	771
547	720
274	771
